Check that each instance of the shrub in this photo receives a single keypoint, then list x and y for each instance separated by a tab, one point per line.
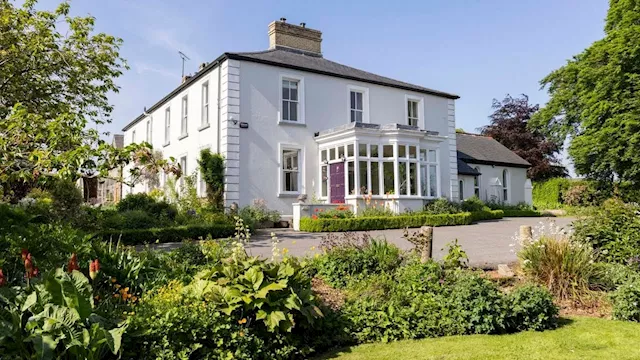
349	255
212	170
487	215
502	206
381	223
548	194
625	302
340	212
148	204
559	263
67	198
613	230
258	214
129	219
580	195
473	204
531	308
455	257
441	206
521	213
168	234
609	276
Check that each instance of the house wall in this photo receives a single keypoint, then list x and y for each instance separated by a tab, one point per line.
517	176
198	137
326	105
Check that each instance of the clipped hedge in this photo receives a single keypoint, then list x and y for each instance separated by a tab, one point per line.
522	213
169	234
487	215
382	223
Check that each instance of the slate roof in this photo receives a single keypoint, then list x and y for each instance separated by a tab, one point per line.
296	60
465	169
306	61
478	149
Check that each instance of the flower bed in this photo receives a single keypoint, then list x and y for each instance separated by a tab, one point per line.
168	234
381	223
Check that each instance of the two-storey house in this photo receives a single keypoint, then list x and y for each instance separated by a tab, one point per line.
290	122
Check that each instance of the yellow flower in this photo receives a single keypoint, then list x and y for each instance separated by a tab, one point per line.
313	248
293	242
241	333
242	321
117	286
285	251
113	280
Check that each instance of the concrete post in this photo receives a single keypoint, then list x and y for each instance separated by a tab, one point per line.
427	246
526	235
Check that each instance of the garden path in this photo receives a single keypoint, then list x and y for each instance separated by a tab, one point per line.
487	243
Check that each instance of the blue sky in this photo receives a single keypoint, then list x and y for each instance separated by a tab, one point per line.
477	49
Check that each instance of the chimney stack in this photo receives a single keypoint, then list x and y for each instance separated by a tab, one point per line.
299	37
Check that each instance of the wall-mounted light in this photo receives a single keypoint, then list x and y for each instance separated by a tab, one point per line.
244	125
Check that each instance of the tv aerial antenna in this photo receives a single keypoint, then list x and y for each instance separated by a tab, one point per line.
184	58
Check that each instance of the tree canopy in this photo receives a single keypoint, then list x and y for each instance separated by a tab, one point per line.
595	100
55	77
508	126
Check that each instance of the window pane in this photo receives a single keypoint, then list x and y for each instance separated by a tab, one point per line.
359	101
332	154
353	100
293	111
387	150
285	89
387	171
293	91
362	150
325	180
433	180
359	116
412	152
340	152
432	156
350	150
424	180
402	173
351	169
374	151
323	155
423	154
461	189
364	177
285	110
402	151
375	178
353	116
413	178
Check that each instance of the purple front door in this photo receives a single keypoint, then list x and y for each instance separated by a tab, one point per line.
336	183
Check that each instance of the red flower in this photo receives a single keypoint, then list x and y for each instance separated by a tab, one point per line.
314	217
317	209
30	271
3	279
94	269
35	272
25	252
73	263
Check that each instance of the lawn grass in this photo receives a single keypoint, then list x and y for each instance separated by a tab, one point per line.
577	338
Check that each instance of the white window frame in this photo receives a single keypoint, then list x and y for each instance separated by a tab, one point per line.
183	169
365	102
205	120
420	120
301	169
301	98
167	125
184	117
425	164
150	130
506	179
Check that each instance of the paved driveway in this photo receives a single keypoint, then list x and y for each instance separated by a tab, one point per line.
487	243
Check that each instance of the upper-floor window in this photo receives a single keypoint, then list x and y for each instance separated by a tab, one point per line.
167	125
133	137
184	117
149	130
205	104
290	100
412	112
357	107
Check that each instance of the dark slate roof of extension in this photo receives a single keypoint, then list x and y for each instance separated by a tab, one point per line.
297	60
478	149
465	169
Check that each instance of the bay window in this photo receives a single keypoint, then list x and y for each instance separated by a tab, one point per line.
429	172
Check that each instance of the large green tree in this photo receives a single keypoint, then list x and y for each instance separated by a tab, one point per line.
55	77
595	100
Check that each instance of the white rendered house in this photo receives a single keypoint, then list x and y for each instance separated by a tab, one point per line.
290	122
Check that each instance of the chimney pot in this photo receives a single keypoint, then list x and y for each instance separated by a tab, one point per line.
283	19
299	37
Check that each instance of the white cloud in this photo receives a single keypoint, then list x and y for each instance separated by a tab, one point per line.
170	73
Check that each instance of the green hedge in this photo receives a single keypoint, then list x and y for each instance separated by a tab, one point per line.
522	213
382	223
487	215
169	234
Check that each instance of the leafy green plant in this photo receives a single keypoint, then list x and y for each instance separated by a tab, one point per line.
212	170
381	223
455	257
56	320
531	308
609	276
258	213
168	234
340	212
487	214
613	230
441	206
473	204
625	301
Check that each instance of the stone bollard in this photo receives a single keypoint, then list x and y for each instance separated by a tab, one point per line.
526	235
427	245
